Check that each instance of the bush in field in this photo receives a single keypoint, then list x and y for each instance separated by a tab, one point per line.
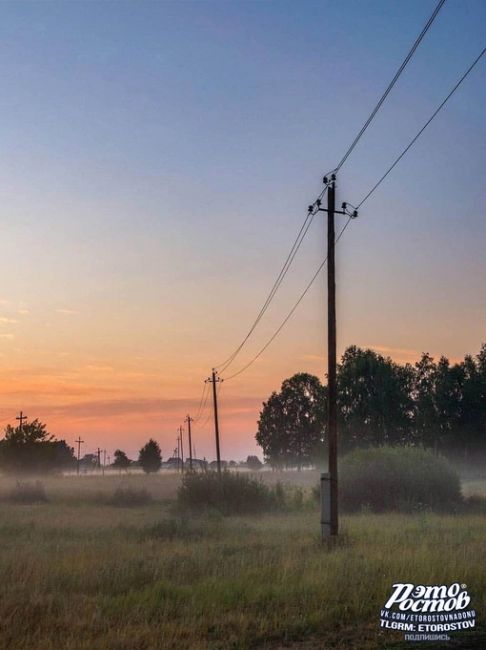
397	478
27	493
229	493
130	496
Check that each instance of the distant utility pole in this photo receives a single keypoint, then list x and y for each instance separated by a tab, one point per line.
21	419
104	461
331	507
189	420
178	453
214	379
181	432
99	458
80	442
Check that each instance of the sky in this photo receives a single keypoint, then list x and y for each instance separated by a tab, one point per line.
158	161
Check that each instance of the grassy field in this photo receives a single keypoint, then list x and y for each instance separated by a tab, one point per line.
79	574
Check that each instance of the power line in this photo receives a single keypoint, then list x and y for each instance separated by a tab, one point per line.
200	408
204	406
283	272
305	226
205	423
391	84
289	315
414	140
397	160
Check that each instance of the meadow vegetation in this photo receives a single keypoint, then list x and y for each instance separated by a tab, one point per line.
80	573
398	478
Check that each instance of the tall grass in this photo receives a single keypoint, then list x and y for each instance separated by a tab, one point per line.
77	575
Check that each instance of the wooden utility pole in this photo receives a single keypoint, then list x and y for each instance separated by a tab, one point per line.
104	461
79	442
181	431
332	432
178	454
99	458
189	420
21	417
214	379
331	355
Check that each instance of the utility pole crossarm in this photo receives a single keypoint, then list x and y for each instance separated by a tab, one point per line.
21	417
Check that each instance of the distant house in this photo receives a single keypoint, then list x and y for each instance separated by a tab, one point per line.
214	464
172	463
175	463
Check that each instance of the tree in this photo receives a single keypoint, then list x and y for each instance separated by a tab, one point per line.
149	457
121	460
89	463
374	399
427	429
292	423
33	450
254	463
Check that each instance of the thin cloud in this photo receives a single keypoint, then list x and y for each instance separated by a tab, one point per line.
67	312
7	320
108	408
7	336
398	354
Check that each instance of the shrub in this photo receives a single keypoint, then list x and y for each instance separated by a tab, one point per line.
229	493
27	492
397	478
130	496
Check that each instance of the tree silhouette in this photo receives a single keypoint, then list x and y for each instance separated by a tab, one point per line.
292	422
149	457
121	460
33	450
374	399
254	463
438	405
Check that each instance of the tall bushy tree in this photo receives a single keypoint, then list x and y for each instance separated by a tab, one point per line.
121	460
149	457
33	450
437	405
374	399
292	422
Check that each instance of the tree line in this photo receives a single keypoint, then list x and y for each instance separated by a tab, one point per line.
433	404
31	449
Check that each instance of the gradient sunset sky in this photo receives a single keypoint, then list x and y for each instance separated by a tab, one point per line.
157	163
